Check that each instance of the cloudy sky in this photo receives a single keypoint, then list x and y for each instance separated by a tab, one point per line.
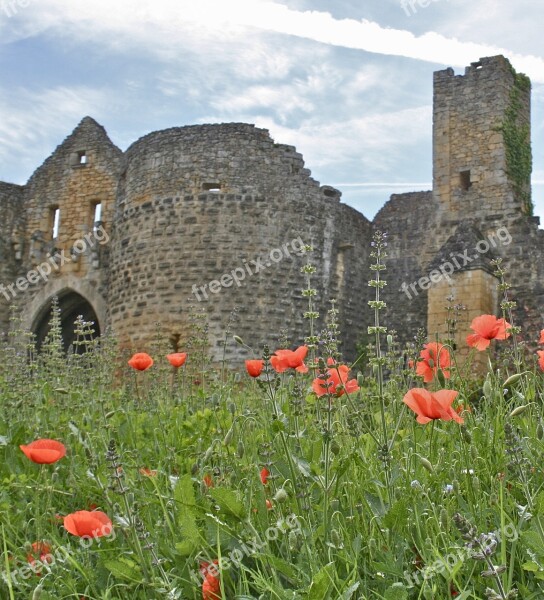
348	82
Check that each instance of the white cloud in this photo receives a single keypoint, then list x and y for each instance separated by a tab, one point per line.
29	121
372	144
164	25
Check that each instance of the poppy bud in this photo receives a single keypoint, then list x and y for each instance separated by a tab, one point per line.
474	452
281	496
444	519
466	434
228	437
335	538
488	389
360	379
194	469
512	379
539	431
240	449
426	464
37	591
476	484
519	409
389	339
238	340
335	447
232	408
293	541
207	455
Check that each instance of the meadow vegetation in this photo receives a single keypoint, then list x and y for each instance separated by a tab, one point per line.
407	476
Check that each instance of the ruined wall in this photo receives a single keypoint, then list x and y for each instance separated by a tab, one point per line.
481	176
186	212
11	244
196	203
410	223
82	172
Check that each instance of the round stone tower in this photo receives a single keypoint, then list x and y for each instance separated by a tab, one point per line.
214	217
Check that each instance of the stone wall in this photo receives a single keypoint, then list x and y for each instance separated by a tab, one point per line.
473	183
81	172
12	231
410	222
212	217
197	205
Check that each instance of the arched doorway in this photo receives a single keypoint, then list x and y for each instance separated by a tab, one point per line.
71	305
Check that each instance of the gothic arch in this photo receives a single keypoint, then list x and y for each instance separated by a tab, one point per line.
76	297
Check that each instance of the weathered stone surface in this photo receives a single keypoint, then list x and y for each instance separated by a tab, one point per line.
213	216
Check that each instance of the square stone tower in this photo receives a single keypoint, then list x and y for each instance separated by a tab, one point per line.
481	141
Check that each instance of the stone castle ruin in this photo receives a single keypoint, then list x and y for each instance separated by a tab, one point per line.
214	216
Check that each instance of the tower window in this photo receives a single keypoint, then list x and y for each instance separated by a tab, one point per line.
464	180
97	215
54	221
82	157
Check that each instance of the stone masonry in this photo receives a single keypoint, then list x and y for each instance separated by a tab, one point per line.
213	217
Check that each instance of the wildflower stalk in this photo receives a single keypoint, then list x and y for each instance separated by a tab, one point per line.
311	314
327	438
378	253
507	307
117	477
7	565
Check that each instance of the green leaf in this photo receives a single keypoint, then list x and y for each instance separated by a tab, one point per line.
228	502
303	466
184	494
285	568
347	594
377	506
396	592
319	589
124	568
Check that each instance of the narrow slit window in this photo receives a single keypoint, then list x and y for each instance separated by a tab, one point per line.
55	222
97	218
464	180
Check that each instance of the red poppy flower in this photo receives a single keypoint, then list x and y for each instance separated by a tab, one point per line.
541	340
282	360
541	359
40	551
265	474
269	505
148	472
337	382
254	367
435	356
44	452
177	359
141	361
211	586
487	328
88	524
208	481
430	406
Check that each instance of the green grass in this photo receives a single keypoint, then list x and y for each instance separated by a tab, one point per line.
366	503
